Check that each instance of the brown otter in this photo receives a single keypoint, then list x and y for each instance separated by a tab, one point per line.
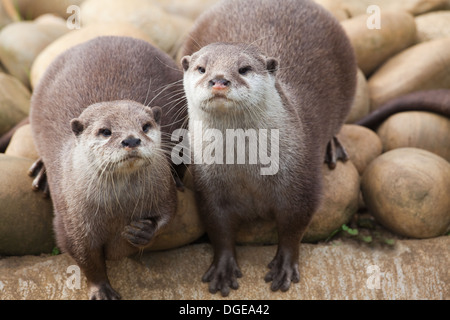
103	149
282	66
437	101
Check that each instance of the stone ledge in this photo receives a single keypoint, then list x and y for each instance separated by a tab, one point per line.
413	269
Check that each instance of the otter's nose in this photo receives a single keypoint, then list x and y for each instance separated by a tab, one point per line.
219	84
131	142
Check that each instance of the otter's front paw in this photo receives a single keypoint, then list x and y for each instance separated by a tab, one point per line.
103	291
140	233
222	276
282	272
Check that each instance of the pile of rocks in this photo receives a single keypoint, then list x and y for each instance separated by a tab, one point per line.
400	173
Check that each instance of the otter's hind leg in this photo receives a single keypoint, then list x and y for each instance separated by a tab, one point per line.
37	170
93	266
284	266
292	222
335	151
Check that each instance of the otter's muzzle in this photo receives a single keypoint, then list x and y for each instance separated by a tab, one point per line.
219	84
131	142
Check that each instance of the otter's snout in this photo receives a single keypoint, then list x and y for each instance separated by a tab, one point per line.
219	83
131	142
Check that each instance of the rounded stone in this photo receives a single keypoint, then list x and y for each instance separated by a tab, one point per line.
164	29
6	14
362	145
339	204
433	25
25	216
31	9
407	190
374	46
336	8
414	7
51	19
21	42
417	129
22	144
420	67
189	9
14	102
361	104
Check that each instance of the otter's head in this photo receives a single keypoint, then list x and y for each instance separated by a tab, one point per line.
226	77
118	135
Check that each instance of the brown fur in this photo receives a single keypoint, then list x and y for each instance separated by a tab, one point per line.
437	101
316	83
106	210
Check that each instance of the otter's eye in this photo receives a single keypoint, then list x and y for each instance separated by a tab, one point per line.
104	132
201	70
244	70
146	127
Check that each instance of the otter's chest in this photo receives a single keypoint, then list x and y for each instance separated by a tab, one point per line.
238	186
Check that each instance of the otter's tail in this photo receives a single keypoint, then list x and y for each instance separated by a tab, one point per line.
437	101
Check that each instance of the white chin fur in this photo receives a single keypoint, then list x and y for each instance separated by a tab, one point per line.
218	105
122	162
131	163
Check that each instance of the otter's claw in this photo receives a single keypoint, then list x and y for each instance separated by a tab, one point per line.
282	273
103	291
222	276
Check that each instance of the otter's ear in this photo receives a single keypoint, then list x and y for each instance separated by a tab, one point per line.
77	126
185	62
272	65
157	113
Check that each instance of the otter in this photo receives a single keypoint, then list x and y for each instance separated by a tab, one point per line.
281	66
435	100
103	149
